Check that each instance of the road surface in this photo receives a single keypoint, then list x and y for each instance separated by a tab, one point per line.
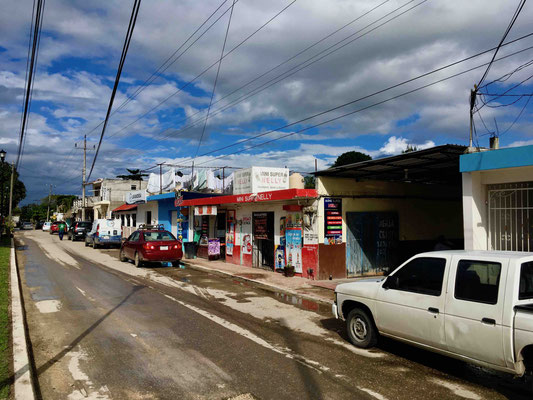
102	329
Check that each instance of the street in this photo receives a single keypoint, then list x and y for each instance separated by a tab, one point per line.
102	329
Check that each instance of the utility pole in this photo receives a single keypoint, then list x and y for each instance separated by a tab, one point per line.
83	175
160	178
48	211
473	94
11	189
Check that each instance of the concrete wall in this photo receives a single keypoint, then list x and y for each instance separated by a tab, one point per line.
424	211
143	208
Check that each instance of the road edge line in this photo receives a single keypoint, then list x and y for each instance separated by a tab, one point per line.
263	285
22	386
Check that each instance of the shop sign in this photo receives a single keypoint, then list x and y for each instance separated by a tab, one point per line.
293	239
205	210
260	226
136	197
260	179
333	220
309	226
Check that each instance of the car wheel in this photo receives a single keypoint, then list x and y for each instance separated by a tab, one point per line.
86	243
95	246
176	264
121	256
138	262
361	329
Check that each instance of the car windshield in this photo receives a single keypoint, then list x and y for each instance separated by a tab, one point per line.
157	236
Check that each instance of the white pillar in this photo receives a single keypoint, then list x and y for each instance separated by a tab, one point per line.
475	219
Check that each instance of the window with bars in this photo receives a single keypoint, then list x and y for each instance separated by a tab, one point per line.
510	208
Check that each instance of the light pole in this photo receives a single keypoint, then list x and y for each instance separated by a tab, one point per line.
2	158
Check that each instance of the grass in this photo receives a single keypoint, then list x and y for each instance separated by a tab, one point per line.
5	353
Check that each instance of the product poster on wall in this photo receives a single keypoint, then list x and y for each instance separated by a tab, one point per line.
246	234
293	238
333	220
280	257
230	232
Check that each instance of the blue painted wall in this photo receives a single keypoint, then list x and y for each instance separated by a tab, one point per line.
497	159
165	208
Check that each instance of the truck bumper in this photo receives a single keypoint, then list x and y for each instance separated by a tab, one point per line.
335	310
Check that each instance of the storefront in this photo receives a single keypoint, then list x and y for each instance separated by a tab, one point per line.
270	230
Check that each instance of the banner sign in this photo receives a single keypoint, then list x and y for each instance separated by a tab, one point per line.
260	179
213	247
333	220
205	210
136	197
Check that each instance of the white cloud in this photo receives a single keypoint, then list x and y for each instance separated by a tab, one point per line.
395	145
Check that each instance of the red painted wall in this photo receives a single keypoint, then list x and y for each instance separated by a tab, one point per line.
310	260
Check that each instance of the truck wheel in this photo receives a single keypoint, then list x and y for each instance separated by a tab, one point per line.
86	243
95	246
121	256
361	329
138	262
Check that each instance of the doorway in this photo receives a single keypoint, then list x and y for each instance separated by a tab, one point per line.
263	240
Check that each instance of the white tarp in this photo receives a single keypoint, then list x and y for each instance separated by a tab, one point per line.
165	182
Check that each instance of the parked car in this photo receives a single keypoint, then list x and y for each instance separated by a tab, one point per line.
26	226
78	230
476	306
104	232
54	228
151	244
39	225
46	226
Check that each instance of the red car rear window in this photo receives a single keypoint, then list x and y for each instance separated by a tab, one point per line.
158	236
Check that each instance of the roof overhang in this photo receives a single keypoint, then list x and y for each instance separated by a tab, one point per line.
437	165
125	207
511	157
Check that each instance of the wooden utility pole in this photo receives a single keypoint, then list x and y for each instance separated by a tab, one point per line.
473	94
83	175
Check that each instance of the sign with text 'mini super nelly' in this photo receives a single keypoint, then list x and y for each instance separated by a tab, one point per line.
136	197
260	179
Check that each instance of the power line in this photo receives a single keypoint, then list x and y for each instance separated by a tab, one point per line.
167	63
517	117
32	68
299	66
201	73
216	79
129	34
358	110
511	23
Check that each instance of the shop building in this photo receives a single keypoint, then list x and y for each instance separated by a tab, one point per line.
375	214
498	199
270	229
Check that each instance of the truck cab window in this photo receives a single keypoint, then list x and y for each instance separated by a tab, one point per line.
526	281
477	281
422	275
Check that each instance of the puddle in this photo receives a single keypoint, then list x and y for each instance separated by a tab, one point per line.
304	304
24	247
186	280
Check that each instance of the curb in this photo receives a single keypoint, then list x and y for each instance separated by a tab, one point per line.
263	285
22	387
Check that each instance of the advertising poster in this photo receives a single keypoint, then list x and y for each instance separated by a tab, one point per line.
280	257
333	220
246	234
213	248
260	226
230	232
293	238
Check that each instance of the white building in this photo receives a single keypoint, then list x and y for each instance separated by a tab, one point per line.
498	199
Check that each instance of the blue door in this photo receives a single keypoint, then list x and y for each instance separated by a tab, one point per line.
372	242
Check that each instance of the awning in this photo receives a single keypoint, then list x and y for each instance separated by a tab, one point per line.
275	195
126	207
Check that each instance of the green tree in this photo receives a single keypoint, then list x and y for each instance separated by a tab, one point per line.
309	182
409	149
351	157
19	190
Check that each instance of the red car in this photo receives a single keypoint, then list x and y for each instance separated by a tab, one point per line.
54	228
151	244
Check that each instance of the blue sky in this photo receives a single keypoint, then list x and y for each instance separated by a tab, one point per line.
82	41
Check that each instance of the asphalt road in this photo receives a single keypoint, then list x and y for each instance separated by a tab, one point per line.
102	329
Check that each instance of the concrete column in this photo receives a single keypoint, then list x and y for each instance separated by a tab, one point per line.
474	212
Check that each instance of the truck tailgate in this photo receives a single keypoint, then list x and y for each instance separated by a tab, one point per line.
523	327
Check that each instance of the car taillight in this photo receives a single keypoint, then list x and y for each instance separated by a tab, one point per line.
76	226
97	230
176	246
149	246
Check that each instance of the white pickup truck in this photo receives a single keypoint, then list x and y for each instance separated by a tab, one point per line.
476	306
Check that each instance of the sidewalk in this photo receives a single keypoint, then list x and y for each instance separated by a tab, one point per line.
320	291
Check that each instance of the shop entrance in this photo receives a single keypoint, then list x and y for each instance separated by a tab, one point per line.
263	240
